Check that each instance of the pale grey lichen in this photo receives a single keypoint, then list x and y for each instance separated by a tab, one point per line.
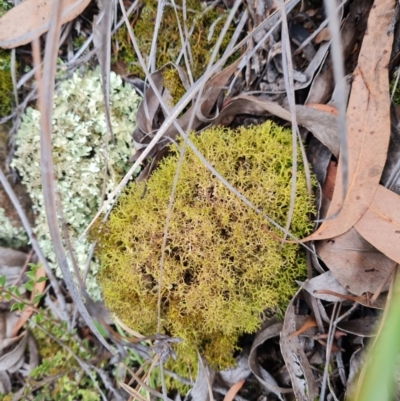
81	155
9	234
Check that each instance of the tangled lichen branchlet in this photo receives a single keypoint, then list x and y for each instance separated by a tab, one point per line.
207	27
222	267
81	154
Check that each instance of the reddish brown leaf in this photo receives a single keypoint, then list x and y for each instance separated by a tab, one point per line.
230	395
310	322
323	107
330	180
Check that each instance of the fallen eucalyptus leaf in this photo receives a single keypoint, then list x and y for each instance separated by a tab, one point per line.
27	21
368	120
357	265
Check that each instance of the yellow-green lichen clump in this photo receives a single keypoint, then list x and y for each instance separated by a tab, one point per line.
222	266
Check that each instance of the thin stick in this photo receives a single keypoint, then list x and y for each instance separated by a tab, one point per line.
338	73
289	86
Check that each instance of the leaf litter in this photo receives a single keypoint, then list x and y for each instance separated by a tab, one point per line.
358	245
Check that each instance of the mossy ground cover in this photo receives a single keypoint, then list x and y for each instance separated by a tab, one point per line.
206	29
222	268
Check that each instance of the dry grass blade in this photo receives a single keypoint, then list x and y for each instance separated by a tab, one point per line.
331	336
131	391
338	73
47	168
102	41
183	41
152	57
289	85
143	385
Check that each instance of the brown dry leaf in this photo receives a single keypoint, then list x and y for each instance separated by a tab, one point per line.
322	124
27	21
356	264
330	180
323	36
368	120
380	224
318	286
147	110
230	395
